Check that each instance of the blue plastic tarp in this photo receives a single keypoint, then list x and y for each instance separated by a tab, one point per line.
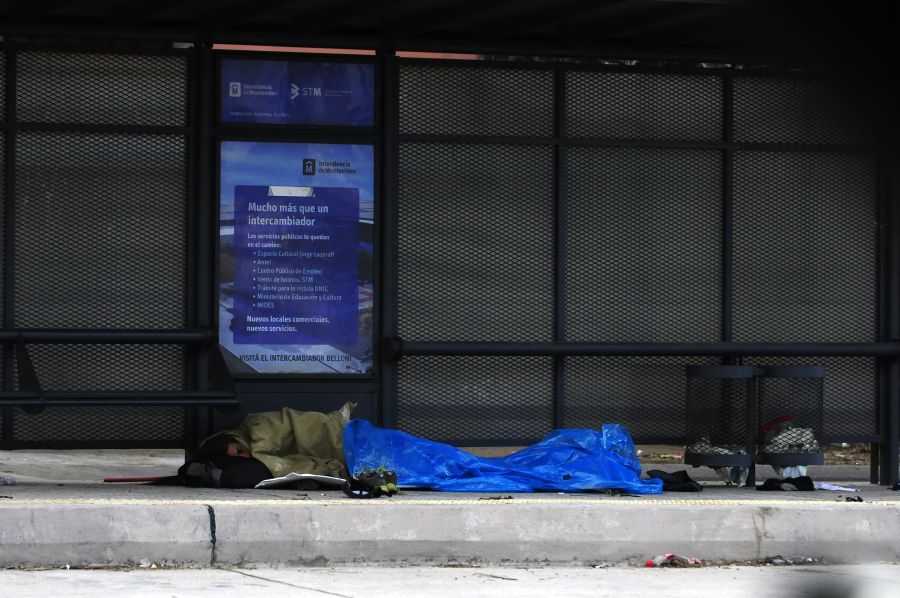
567	460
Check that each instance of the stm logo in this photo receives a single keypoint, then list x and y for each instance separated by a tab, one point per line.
234	89
296	91
309	167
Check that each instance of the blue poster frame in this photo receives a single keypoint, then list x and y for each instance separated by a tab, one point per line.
364	359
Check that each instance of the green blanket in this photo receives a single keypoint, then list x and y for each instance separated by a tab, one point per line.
289	441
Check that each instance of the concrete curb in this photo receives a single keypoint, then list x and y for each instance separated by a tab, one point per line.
85	534
519	531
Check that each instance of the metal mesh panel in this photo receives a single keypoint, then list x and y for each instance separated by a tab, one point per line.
101	89
790	415
643	245
804	247
2	231
476	399
851	393
99	426
643	106
2	82
646	394
3	348
720	417
100	231
475	242
2	210
476	101
109	367
3	323
794	110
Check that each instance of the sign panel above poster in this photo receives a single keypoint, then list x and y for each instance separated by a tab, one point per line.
283	92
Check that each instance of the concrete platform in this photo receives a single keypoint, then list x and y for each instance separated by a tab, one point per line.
65	517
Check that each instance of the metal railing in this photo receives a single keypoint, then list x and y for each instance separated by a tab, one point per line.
219	392
396	348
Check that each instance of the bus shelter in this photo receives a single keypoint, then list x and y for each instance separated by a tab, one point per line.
477	220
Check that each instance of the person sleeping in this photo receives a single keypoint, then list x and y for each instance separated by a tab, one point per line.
271	444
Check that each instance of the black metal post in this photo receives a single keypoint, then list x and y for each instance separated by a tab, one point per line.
727	206
560	196
889	457
890	428
204	261
9	244
390	93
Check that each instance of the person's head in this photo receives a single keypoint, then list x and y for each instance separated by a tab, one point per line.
236	449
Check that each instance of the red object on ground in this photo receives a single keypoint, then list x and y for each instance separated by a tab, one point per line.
781	419
658	560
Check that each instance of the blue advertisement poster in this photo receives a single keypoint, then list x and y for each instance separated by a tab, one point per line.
296	257
294	92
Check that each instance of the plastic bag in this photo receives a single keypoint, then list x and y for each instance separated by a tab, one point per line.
566	460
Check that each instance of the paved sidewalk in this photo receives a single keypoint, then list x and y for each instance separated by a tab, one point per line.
64	516
871	581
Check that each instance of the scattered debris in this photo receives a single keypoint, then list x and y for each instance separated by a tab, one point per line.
7	480
601	565
834	487
733	476
778	560
664	457
620	492
792	471
496	576
835	454
5	496
854	499
509	497
896	486
673	560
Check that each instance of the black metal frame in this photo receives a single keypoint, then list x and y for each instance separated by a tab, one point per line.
218	391
887	349
889	421
205	371
203	145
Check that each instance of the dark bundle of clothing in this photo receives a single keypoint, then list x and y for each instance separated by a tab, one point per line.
222	471
804	483
677	481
